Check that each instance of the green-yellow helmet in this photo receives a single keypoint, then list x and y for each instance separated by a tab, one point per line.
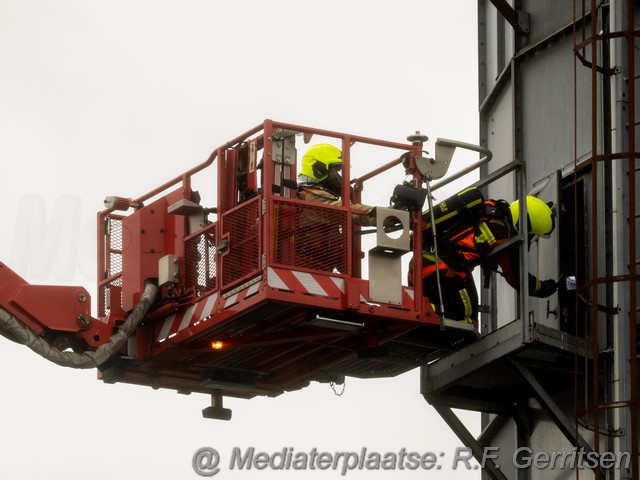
318	159
541	217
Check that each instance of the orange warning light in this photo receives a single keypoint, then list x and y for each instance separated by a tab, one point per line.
217	344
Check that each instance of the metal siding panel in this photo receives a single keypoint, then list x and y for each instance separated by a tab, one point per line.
505	442
543	258
498	123
496	47
490	41
547	111
492	56
541	22
546	438
506	302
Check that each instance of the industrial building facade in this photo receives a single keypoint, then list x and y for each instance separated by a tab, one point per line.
557	376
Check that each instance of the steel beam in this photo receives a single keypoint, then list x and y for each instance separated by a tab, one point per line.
556	414
468	439
517	19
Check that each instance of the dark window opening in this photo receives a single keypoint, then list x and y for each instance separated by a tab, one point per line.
572	255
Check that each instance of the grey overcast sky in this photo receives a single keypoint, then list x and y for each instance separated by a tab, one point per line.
114	98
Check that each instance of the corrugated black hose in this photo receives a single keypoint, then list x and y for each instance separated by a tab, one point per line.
14	330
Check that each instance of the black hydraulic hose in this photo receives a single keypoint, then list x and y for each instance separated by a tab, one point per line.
14	330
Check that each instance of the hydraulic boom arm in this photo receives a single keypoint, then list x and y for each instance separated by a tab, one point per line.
55	321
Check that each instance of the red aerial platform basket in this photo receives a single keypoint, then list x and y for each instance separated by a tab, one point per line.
254	298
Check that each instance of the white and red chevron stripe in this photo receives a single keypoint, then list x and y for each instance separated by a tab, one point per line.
290	280
295	281
321	285
195	313
200	311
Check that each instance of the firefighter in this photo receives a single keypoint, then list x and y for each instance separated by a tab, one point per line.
321	236
320	181
472	245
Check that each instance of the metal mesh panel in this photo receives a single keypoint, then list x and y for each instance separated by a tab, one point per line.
112	266
114	245
201	265
243	259
310	236
109	292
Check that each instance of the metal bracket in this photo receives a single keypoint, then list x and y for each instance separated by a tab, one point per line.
216	410
385	267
